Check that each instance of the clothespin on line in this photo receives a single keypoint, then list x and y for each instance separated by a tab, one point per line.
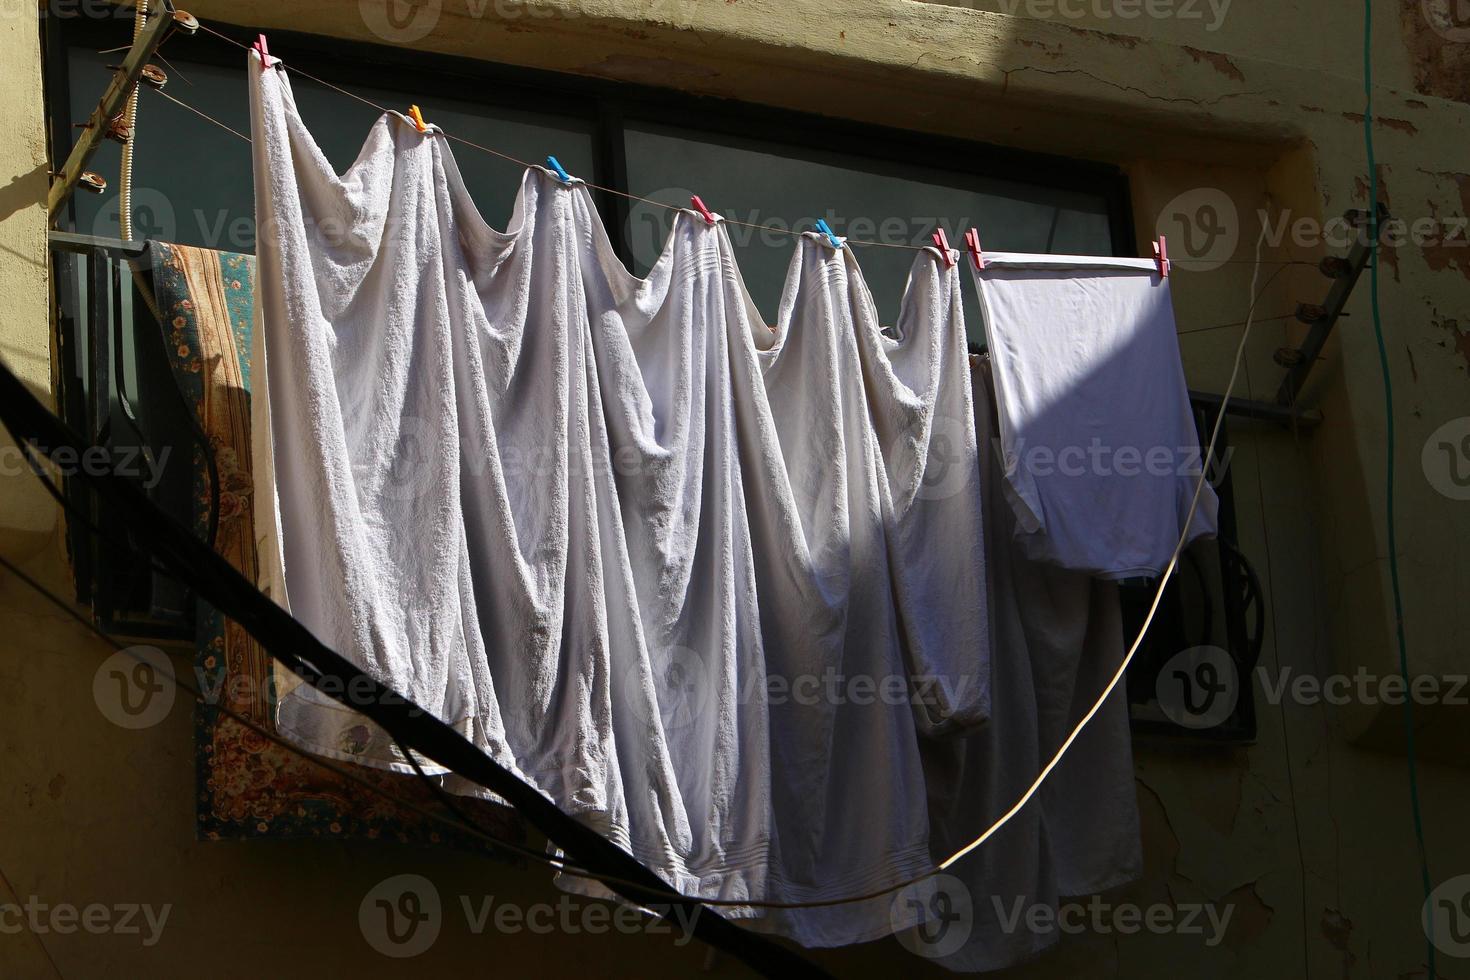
972	245
560	171
1161	256
941	242
826	229
261	48
699	206
418	118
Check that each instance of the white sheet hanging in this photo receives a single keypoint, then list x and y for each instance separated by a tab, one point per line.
1101	451
698	583
870	544
1057	640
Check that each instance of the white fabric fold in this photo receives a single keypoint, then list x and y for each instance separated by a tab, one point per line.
700	581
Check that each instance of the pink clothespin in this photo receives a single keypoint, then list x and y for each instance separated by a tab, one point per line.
1161	256
941	241
260	47
699	206
418	118
972	245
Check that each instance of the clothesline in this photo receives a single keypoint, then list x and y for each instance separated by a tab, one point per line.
1195	329
624	194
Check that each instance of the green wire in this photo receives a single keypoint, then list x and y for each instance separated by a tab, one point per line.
1393	559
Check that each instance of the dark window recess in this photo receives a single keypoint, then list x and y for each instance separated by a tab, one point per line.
1193	675
752	163
114	386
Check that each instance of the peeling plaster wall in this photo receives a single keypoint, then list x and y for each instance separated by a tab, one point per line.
1306	835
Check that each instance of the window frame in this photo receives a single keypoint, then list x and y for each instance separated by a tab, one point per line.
607	105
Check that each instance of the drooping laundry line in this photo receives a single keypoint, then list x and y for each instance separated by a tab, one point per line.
1281	264
1056	759
277	61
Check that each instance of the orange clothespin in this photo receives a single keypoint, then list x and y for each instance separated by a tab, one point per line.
260	47
418	118
1161	255
941	241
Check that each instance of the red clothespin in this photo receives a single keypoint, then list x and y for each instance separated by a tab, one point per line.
418	118
1161	256
699	206
941	241
972	245
260	47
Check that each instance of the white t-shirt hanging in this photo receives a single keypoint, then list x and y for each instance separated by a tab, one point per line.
1100	448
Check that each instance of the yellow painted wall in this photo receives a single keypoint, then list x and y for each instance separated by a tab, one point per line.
1306	834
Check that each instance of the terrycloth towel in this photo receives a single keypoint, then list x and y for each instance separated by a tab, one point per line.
699	581
1101	452
870	547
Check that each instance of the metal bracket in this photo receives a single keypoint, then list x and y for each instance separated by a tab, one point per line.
1289	416
113	100
1344	274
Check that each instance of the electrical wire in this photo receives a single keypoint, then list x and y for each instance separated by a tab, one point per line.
1389	452
130	118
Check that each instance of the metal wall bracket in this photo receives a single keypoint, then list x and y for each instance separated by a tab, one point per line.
113	100
1344	274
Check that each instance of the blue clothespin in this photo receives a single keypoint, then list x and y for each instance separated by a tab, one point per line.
554	164
826	229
